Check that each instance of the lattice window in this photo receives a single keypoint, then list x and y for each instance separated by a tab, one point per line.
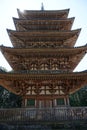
31	102
54	67
44	67
60	101
33	67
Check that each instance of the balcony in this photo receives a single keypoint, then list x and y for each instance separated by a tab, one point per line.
47	114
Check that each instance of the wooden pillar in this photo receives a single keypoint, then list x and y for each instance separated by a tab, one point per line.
37	103
54	103
24	101
67	100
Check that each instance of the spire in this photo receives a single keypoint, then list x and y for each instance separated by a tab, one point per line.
42	6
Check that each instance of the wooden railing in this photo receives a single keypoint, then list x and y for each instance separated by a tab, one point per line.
35	114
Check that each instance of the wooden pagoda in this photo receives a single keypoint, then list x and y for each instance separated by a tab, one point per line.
43	58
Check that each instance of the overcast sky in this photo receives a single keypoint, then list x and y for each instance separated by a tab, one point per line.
78	9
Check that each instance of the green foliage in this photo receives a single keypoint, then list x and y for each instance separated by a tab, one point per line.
2	69
79	98
9	100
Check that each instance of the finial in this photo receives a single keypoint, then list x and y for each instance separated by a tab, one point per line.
42	6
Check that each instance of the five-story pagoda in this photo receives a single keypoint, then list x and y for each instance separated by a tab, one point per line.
43	58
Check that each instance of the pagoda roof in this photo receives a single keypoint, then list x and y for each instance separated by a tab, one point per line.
27	24
79	78
45	51
35	76
30	14
40	36
43	33
75	54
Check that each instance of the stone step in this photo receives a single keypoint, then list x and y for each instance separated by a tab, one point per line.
45	126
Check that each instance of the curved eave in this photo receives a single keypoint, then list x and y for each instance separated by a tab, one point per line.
75	54
68	22
43	35
62	76
7	79
17	20
7	84
28	13
60	50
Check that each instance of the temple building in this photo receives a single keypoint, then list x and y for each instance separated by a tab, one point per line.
43	58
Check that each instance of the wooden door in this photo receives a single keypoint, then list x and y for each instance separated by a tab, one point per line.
45	103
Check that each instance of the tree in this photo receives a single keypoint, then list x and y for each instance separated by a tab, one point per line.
8	99
79	98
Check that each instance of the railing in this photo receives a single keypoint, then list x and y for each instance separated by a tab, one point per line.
35	114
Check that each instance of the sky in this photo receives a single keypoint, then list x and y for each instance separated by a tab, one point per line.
8	10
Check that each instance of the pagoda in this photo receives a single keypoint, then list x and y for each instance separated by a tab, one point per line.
43	58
